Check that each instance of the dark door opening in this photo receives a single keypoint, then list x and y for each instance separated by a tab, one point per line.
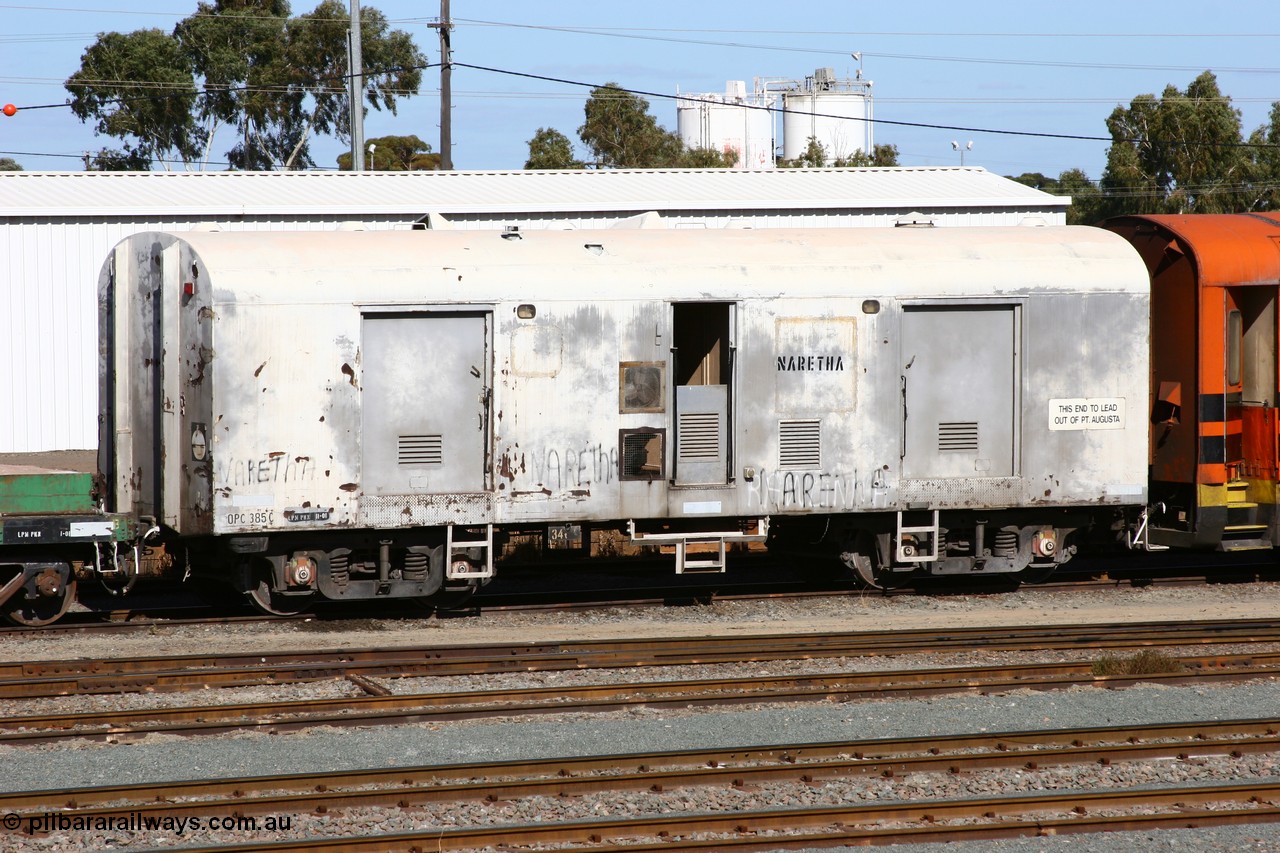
702	365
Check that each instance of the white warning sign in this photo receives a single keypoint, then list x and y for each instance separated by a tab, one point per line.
1087	413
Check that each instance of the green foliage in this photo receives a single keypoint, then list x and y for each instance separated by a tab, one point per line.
814	156
551	149
8	164
396	154
158	114
1179	153
706	158
1037	181
622	134
277	80
881	155
115	160
1086	197
1263	192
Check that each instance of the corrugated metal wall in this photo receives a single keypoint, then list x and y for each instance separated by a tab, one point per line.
49	323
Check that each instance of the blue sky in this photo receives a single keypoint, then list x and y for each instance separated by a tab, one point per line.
1033	68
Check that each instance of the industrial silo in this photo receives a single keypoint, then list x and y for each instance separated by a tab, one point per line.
835	112
733	121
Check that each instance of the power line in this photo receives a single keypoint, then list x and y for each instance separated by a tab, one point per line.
891	33
623	91
640	34
895	123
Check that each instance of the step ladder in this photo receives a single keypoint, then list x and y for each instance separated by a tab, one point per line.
1242	531
912	553
458	565
700	562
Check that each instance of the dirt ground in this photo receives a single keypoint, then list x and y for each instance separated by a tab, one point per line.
854	612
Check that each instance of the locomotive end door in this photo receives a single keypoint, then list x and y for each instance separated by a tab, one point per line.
959	391
1251	430
702	358
426	389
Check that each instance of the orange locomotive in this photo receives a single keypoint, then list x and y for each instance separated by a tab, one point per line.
1214	430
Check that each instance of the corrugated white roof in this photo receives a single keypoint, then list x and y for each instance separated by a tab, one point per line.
107	194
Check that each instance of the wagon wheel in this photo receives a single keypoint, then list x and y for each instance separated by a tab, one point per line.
48	607
1036	573
264	599
453	597
858	554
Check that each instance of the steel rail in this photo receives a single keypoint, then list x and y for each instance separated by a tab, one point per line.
797	763
828	826
429	707
29	679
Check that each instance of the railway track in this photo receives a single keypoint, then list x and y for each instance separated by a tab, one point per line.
808	764
374	710
29	679
945	815
115	620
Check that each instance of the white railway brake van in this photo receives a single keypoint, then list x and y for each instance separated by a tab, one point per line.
353	415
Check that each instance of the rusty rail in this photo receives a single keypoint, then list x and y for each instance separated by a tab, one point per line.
431	707
30	679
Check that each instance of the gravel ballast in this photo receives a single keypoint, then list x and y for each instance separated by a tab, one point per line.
156	760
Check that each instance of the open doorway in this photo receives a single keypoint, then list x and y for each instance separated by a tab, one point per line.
702	366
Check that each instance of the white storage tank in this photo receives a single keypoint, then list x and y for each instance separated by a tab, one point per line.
733	121
835	112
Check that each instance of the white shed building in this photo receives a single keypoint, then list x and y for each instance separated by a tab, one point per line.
59	226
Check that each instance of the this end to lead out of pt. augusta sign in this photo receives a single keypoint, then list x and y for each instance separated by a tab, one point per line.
1087	413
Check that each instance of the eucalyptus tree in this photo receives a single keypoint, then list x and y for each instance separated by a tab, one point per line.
1181	152
551	149
276	79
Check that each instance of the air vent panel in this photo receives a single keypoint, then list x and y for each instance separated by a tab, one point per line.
420	450
800	443
958	437
699	437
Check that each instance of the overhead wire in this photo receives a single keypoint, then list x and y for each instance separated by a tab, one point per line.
639	33
626	91
873	120
677	97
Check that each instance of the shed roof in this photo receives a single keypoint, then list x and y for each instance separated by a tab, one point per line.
111	194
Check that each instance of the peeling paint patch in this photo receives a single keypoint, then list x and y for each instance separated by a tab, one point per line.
505	469
349	487
258	372
349	372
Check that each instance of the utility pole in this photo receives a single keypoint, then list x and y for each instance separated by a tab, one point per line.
446	93
355	67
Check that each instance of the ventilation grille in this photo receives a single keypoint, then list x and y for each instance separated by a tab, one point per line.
642	455
800	444
421	450
958	437
699	437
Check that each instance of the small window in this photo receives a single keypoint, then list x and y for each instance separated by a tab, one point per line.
641	386
1235	340
641	453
